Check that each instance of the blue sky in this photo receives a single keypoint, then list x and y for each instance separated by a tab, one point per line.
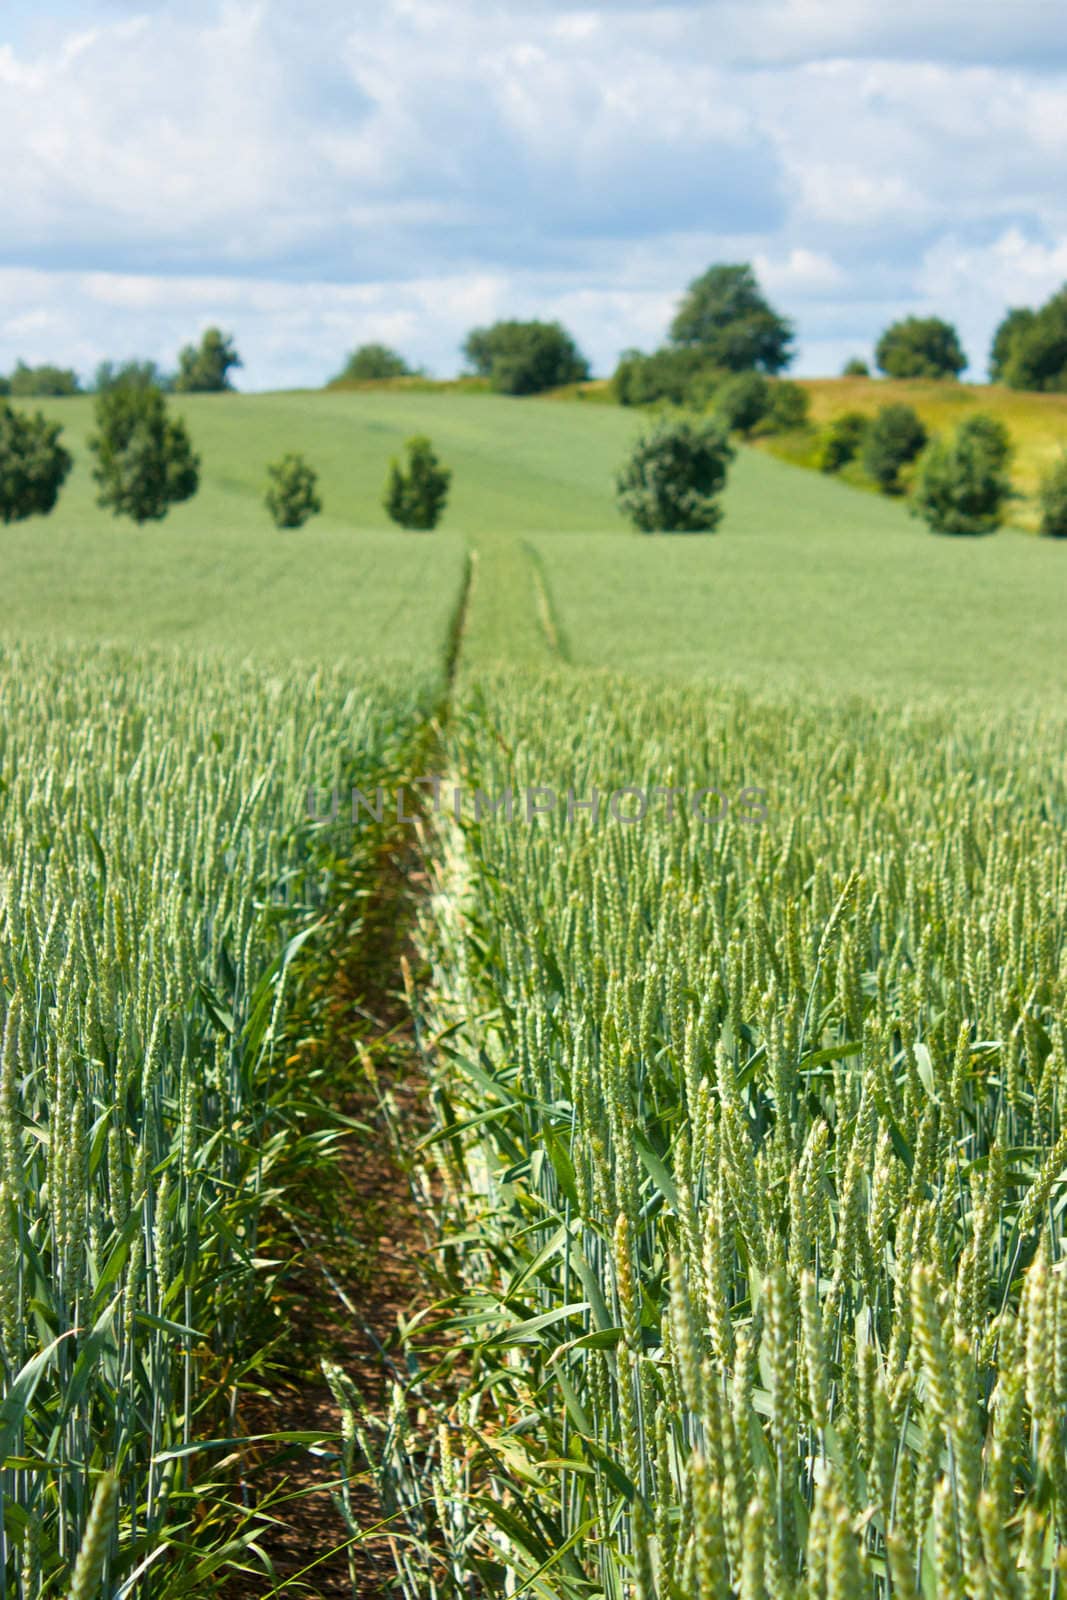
312	175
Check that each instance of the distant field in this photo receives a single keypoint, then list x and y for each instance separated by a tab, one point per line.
216	574
808	584
1037	422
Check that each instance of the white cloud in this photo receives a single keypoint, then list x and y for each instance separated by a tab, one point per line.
802	272
408	169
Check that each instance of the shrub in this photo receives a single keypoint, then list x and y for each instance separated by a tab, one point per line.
138	374
371	363
920	347
525	357
990	434
842	440
415	497
33	464
680	376
205	368
144	460
37	383
855	367
674	476
790	406
894	438
744	401
724	315
291	492
1052	498
960	487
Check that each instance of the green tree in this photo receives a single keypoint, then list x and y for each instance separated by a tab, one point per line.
894	438
525	357
38	383
744	401
33	464
1031	351
842	440
682	377
1052	498
725	316
855	367
371	363
205	368
292	491
920	347
144	459
674	476
960	487
790	406
1014	323
137	374
990	434
415	496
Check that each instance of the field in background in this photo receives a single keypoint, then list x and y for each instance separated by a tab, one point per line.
216	574
806	585
811	587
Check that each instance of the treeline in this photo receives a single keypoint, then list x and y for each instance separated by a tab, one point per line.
725	327
202	368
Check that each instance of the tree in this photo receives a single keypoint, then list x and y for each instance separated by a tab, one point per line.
743	401
144	460
674	476
790	406
371	363
855	367
990	434
137	374
1052	498
680	376
33	464
1013	324
1030	348
893	439
291	491
920	347
37	383
205	368
724	315
842	440
960	487
415	497
525	357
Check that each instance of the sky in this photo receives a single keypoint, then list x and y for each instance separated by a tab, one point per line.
311	175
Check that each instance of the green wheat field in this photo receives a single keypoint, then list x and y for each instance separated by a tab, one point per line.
747	1159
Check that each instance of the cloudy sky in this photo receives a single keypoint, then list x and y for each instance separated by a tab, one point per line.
312	174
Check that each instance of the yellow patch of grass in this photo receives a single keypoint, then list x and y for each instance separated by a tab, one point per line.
1037	422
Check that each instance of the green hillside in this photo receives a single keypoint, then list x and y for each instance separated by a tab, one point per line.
1037	423
807	584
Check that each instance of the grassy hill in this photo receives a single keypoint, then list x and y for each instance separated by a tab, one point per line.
1037	422
806	585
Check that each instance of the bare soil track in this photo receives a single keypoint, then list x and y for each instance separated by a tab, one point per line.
357	1254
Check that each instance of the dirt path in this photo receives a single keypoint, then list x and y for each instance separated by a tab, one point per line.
357	1264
